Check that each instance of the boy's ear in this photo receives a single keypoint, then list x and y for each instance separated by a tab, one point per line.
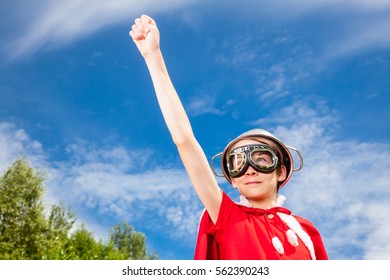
233	182
282	174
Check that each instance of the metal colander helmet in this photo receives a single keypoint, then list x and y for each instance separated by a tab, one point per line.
288	158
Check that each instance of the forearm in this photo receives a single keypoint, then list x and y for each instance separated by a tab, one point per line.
172	109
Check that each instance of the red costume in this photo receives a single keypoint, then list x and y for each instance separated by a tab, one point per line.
244	233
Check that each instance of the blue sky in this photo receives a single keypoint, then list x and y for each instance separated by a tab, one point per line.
76	100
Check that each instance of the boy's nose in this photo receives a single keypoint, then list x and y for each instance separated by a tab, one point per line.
250	171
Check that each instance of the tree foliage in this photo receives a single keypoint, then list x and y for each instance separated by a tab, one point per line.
26	232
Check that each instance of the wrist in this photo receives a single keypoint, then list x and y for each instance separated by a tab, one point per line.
153	56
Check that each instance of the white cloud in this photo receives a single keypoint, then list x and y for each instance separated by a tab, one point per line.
16	143
123	183
281	56
50	24
286	9
375	249
357	37
205	102
54	23
203	105
344	185
111	180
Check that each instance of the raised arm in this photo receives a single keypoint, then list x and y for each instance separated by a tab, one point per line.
146	36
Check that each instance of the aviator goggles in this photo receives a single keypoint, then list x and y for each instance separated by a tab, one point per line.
260	156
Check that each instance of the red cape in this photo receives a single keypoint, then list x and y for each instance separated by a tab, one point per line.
207	248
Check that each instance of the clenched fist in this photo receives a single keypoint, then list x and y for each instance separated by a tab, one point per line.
145	35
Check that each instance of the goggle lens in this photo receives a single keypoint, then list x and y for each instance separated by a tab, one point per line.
236	161
261	157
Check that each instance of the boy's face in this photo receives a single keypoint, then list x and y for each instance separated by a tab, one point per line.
260	188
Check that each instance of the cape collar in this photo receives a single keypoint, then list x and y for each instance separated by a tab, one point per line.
278	208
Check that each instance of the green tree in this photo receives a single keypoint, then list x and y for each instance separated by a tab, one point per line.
22	220
59	224
129	242
83	246
27	233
